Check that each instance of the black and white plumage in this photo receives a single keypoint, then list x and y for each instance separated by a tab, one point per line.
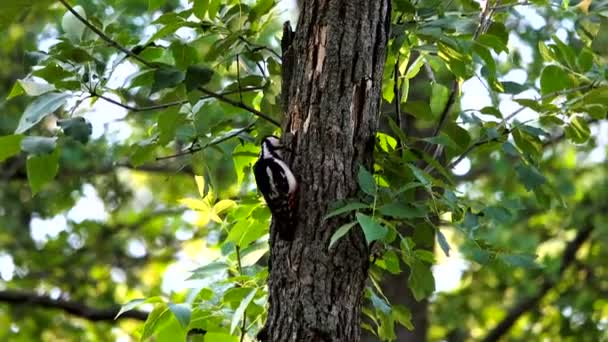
278	185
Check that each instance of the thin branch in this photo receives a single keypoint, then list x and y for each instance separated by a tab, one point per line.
29	299
106	38
151	65
546	143
166	105
549	283
239	105
218	141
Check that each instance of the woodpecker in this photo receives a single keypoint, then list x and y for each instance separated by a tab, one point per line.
278	185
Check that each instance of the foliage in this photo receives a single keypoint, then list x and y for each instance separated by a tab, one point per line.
197	83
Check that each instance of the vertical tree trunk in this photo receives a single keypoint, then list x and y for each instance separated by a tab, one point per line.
332	84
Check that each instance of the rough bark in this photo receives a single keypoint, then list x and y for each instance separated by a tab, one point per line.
332	84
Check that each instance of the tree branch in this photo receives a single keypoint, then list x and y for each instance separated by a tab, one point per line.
165	105
81	310
526	305
214	142
151	65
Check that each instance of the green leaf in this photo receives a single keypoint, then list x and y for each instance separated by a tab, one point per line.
491	111
209	270
197	76
366	181
243	156
155	321
401	211
142	152
214	6
10	145
513	88
519	260
346	208
403	315
240	311
530	177
443	140
340	232
155	4
78	128
41	169
184	55
253	253
578	130
212	336
30	88
182	313
166	77
371	229
600	42
72	26
553	79
38	145
422	176
130	306
39	109
439	98
443	243
421	280
199	9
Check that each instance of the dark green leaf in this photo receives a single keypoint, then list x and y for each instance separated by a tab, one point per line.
78	128
421	281
491	111
366	181
346	208
530	177
197	76
443	243
166	77
401	211
371	229
519	260
39	109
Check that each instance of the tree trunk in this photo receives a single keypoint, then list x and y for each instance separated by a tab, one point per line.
333	67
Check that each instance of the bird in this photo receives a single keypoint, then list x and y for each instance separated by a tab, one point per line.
278	185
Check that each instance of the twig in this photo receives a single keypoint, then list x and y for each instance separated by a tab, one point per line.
164	105
218	141
239	105
151	65
103	36
28	299
513	114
